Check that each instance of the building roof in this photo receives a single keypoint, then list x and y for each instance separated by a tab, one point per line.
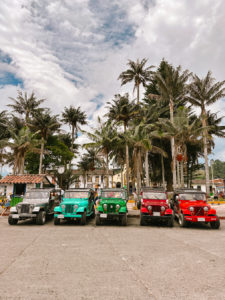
25	178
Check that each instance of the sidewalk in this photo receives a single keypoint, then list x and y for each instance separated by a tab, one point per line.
132	213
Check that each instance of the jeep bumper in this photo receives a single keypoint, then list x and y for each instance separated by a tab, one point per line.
110	216
200	218
67	216
148	217
23	216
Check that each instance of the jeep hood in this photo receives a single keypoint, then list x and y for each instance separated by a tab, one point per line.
79	202
35	201
187	204
113	201
147	202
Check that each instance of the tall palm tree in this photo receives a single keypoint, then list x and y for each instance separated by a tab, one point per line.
74	117
45	124
204	92
25	105
104	138
121	110
22	143
137	73
173	89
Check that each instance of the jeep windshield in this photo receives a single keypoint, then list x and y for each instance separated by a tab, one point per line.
76	194
154	196
113	194
36	196
192	197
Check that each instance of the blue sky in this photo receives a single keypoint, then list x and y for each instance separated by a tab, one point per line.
72	52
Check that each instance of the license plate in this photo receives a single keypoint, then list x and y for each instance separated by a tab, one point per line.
103	215
15	216
60	216
201	219
156	213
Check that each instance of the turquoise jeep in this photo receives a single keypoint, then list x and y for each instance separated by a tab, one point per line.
77	204
112	205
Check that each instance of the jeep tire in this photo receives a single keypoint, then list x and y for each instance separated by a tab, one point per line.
12	221
181	221
83	218
97	220
124	220
215	224
56	221
142	221
171	221
93	212
41	218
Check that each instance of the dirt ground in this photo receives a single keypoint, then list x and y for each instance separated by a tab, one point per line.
111	262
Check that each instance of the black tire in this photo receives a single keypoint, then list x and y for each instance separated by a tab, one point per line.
97	220
56	221
142	221
12	221
181	221
124	220
93	213
83	218
215	224
41	218
171	222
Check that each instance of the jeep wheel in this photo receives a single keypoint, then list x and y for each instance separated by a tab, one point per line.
171	222
142	221
56	221
83	218
124	220
97	220
182	221
93	212
12	221
41	218
215	224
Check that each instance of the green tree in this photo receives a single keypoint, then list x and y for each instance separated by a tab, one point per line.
137	73
202	93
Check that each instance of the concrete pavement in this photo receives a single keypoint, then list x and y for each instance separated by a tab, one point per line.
111	262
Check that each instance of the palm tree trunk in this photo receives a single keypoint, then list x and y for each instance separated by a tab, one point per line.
147	169
121	175
127	163
72	138
163	172
138	174
173	148
138	93
205	151
107	170
178	174
41	155
182	173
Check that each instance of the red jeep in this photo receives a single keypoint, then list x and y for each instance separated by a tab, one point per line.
155	206
190	205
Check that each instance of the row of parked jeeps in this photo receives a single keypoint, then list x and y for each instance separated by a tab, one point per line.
186	206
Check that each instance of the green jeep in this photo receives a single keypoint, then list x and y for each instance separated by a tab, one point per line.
37	205
112	205
77	204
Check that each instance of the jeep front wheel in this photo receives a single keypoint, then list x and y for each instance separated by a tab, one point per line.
182	221
97	220
12	221
124	220
93	212
83	218
56	221
215	224
41	218
171	222
142	221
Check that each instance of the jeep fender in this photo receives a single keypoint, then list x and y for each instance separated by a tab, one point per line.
81	209
57	209
212	211
168	211
185	211
123	209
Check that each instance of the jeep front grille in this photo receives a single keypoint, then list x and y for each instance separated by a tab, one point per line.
199	211
156	208
69	209
25	208
110	208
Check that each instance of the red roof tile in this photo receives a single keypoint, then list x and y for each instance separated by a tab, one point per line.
26	178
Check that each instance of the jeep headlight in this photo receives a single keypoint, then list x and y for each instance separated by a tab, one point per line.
63	207
13	209
163	208
36	209
191	208
117	206
18	207
206	208
32	206
75	207
105	206
149	207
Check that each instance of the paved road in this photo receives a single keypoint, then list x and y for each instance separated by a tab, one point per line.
111	262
